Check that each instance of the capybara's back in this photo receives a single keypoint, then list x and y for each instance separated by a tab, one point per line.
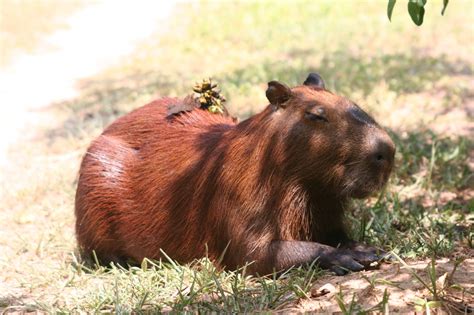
130	201
270	190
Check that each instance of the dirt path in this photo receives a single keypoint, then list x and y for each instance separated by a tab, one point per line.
97	36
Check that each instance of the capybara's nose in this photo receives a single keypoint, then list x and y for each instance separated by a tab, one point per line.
384	151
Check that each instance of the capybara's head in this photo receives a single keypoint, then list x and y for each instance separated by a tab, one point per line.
328	141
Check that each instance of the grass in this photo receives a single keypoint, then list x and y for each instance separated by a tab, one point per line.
415	81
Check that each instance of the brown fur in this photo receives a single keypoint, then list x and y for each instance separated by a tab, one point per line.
196	183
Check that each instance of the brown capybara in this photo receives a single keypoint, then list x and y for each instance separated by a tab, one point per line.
271	190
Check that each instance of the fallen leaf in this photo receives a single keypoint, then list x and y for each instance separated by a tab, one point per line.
324	290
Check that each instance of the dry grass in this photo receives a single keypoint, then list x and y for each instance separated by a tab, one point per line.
416	81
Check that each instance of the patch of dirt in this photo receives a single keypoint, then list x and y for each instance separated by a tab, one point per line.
367	288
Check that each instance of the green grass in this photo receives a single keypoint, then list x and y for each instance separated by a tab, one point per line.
413	80
413	208
198	287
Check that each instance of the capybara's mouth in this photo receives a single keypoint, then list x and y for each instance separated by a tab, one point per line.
364	189
363	192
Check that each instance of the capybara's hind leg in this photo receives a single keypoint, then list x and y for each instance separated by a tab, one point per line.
99	198
92	259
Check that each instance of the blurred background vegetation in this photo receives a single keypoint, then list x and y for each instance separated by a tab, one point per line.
23	24
416	81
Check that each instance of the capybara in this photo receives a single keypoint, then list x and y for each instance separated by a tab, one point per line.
270	191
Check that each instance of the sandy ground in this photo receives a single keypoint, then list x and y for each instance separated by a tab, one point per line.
97	37
404	290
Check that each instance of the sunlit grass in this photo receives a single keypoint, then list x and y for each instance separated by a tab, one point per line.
410	78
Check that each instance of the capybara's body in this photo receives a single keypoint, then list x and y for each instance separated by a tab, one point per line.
270	190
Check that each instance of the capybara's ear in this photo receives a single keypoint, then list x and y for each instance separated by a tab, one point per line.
314	79
278	93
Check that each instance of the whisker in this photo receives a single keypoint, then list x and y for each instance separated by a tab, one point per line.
354	162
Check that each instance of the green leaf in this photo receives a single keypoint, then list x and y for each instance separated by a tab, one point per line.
445	4
417	11
391	4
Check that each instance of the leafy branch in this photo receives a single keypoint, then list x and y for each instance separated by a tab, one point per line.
416	9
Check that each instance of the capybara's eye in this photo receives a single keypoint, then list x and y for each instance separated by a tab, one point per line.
316	114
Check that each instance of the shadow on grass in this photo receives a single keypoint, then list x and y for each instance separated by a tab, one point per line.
347	74
101	100
427	208
442	161
411	227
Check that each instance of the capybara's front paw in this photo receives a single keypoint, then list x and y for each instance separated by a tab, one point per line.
363	248
342	260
